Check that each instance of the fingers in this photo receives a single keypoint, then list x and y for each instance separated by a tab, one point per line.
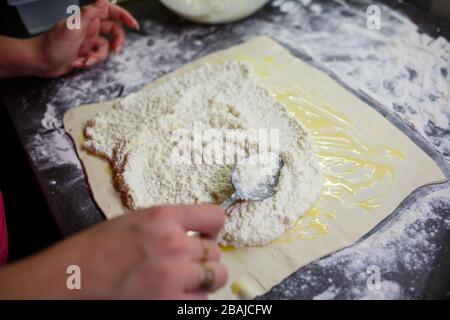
116	31
196	273
195	296
87	46
101	3
175	265
202	249
106	11
91	12
97	53
206	219
93	28
79	62
101	52
114	12
100	17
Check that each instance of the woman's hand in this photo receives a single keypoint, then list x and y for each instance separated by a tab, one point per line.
61	50
142	255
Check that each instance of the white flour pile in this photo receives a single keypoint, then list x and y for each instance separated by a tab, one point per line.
213	11
257	174
137	137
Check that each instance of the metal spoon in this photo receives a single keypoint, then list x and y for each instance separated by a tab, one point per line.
263	189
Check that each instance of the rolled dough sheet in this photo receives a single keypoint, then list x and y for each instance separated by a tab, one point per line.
370	167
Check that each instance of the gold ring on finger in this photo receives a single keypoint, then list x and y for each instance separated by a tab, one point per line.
208	277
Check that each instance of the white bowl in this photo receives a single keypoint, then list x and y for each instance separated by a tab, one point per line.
214	11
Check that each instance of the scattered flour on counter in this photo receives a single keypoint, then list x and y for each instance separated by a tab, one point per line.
408	75
316	9
53	149
49	121
137	137
388	290
328	294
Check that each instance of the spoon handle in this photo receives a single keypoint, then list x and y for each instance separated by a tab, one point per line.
229	201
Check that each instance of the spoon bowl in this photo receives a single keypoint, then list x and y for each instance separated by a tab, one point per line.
255	178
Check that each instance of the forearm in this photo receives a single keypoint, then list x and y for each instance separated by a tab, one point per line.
20	57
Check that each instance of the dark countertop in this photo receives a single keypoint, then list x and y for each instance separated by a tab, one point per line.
36	107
